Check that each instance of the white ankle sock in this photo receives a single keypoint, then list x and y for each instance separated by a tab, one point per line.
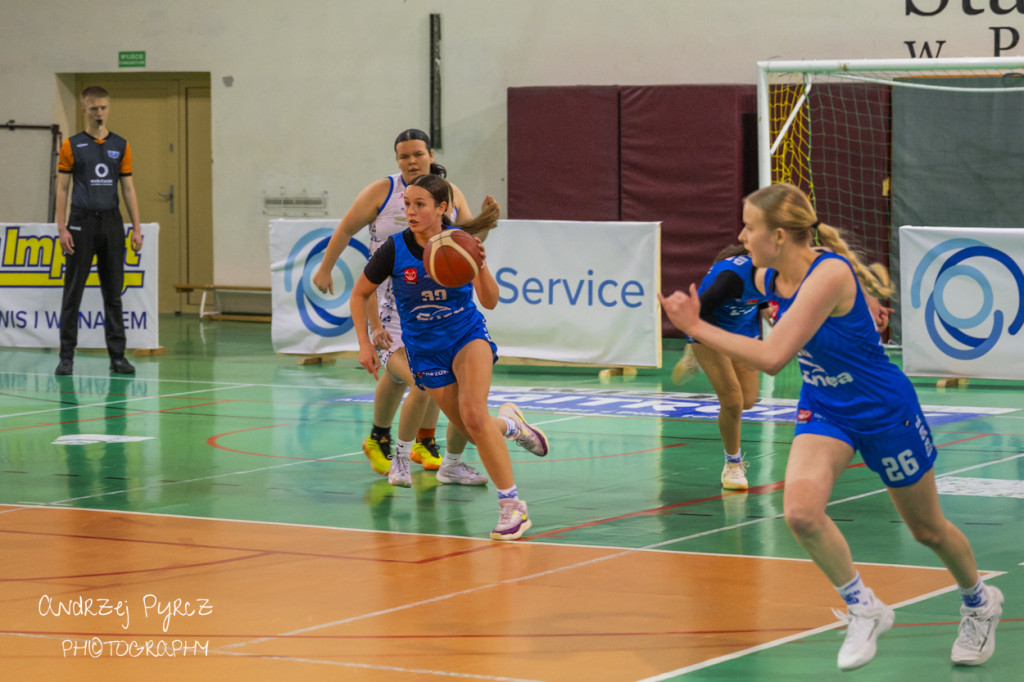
974	597
511	428
854	592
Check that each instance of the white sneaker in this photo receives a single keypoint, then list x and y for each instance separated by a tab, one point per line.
513	520
398	473
976	640
460	474
530	438
864	625
734	475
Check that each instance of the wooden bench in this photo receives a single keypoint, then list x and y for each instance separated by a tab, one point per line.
217	314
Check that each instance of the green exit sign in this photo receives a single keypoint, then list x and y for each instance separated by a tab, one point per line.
129	60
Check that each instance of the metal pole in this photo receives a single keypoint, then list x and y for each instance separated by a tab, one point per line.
435	80
55	140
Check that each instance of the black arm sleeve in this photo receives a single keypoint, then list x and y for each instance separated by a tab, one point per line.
726	286
381	263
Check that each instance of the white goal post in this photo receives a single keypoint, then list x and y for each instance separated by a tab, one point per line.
803	75
877	144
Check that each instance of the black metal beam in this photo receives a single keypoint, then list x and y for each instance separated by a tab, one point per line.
435	80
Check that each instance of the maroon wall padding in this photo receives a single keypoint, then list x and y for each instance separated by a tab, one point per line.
682	163
563	153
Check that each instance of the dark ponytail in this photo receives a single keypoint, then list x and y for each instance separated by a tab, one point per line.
439	190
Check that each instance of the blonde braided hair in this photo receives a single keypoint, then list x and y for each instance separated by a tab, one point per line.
787	207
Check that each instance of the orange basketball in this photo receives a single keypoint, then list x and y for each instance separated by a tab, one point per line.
452	258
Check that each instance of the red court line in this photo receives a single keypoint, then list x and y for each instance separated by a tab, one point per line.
643	512
756	490
137	571
252	550
212	442
458	636
537	460
467	635
964	440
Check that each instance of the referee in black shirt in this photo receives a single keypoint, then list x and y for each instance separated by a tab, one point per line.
96	159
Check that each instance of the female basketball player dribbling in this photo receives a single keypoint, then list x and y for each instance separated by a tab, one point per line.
379	206
450	353
853	398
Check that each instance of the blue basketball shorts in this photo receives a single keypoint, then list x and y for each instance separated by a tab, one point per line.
434	369
900	455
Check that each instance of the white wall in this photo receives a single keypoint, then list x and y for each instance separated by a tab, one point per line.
321	87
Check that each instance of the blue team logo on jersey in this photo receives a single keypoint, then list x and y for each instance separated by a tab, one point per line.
970	336
113	153
320	313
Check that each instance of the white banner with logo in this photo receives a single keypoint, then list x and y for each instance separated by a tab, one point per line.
962	301
304	321
570	292
32	285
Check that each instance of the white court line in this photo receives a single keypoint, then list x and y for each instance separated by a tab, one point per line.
388	668
617	554
121	402
832	503
62	503
825	628
296	659
800	635
138	378
625	552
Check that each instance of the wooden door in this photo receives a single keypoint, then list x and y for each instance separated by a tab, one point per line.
198	192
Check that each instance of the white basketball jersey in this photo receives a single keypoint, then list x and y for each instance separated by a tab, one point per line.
391	217
390	220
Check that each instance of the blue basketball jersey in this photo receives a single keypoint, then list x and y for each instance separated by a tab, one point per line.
432	315
847	376
737	315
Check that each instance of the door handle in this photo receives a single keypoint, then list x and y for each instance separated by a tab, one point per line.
169	196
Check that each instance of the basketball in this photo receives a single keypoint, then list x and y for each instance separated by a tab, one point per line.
452	258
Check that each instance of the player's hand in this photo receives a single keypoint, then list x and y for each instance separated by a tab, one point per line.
879	313
323	282
369	360
683	310
67	243
137	240
381	338
483	251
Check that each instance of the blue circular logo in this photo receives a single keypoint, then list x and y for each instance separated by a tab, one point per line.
321	313
948	329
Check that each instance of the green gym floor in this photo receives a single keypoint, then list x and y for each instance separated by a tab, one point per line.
638	566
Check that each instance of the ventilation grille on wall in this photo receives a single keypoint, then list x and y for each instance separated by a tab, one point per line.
295	205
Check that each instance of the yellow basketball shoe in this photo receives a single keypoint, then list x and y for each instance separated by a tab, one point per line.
425	452
378	451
